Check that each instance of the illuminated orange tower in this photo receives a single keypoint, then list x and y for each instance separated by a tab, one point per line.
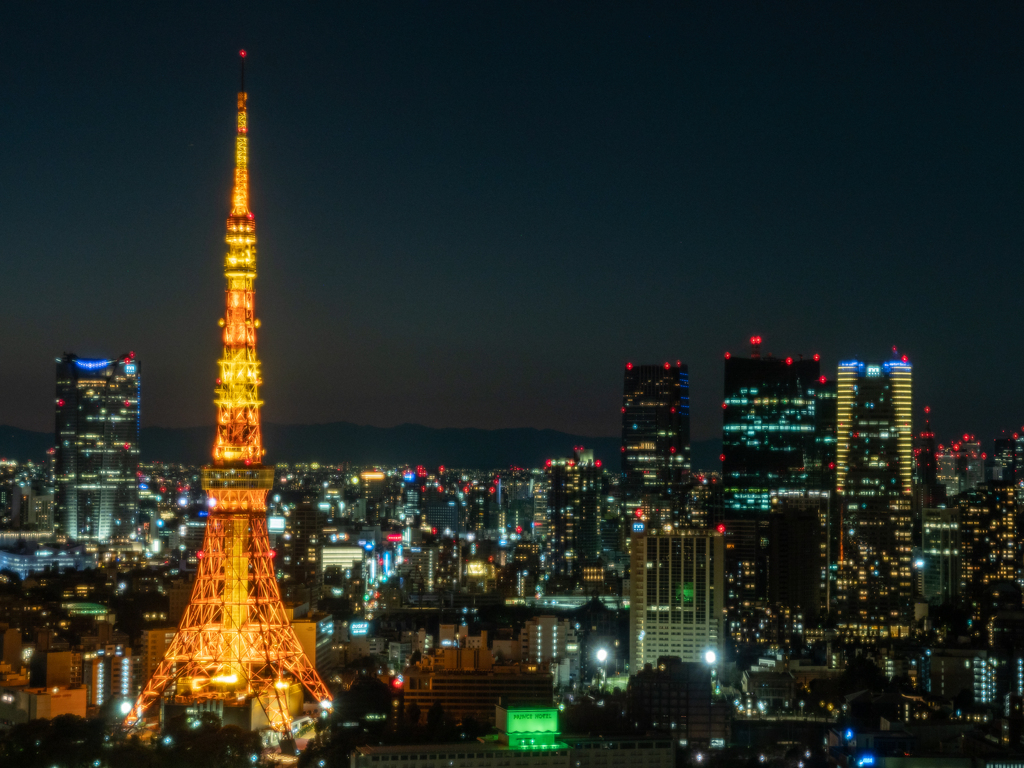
234	646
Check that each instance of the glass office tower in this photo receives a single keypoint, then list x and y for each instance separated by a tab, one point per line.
656	438
97	446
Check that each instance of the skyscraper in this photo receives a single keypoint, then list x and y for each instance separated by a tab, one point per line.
301	547
768	429
676	589
97	442
655	437
989	537
770	445
235	652
941	552
799	536
573	508
928	492
1008	454
874	458
874	451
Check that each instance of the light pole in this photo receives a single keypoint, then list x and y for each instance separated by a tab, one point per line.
602	657
711	659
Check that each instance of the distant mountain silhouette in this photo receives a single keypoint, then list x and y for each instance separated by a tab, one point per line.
342	441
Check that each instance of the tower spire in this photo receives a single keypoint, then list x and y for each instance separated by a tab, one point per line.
240	200
238	416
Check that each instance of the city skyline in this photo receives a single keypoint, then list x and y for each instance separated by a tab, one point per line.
472	213
435	202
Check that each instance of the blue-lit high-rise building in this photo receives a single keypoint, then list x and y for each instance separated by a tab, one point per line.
656	438
97	446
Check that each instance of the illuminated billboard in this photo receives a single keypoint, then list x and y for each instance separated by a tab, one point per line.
275	524
529	727
359	628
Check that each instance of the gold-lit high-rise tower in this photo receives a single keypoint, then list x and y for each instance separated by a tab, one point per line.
874	465
235	652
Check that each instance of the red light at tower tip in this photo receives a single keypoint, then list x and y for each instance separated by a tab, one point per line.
242	53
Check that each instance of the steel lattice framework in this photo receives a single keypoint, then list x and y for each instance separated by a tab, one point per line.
234	642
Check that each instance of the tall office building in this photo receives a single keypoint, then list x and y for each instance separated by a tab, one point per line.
875	433
677	585
479	512
573	508
928	492
301	546
969	462
988	537
826	414
875	465
97	446
656	437
1008	454
770	445
373	489
769	429
799	577
941	553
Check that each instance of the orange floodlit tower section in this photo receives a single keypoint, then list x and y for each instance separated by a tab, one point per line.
235	646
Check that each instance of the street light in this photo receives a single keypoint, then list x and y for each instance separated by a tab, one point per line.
710	657
602	657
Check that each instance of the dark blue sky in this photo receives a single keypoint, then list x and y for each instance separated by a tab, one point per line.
474	214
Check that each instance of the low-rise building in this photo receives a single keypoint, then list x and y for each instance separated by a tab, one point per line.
19	705
775	689
676	696
528	738
467	683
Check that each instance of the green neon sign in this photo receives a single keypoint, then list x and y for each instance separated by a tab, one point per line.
521	721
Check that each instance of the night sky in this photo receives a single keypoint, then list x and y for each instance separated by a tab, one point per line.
474	215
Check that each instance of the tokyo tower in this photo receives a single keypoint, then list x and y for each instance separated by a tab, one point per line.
235	652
